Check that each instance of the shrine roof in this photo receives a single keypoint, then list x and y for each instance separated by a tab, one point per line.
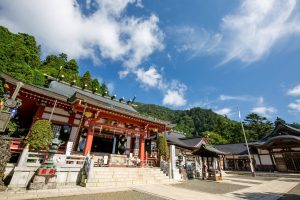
70	91
234	148
281	129
182	141
211	149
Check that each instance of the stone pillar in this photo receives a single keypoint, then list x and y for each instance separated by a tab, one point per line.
89	141
114	145
142	150
136	147
172	161
128	143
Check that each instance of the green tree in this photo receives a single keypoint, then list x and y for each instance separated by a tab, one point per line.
96	85
38	78
186	125
214	138
163	147
257	126
72	65
40	135
86	79
295	125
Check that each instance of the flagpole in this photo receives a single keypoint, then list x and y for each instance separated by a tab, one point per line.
249	155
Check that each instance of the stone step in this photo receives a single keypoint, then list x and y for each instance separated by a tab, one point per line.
124	168
92	179
126	172
127	183
117	176
126	176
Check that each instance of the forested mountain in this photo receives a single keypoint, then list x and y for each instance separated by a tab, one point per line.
20	57
204	122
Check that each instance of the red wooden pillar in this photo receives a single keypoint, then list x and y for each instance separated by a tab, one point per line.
39	113
142	150
89	140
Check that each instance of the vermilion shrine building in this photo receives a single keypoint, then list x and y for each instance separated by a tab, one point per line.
88	122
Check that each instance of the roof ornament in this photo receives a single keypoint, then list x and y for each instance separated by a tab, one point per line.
113	97
73	82
84	86
121	99
104	93
95	90
133	99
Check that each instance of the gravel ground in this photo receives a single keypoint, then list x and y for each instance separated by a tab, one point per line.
209	186
124	195
293	194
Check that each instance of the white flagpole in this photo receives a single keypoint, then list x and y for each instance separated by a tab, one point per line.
249	155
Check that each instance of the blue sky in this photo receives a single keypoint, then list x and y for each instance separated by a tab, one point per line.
180	54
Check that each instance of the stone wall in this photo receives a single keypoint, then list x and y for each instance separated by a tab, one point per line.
22	176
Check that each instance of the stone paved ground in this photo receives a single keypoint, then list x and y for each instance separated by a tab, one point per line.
293	194
124	195
209	186
232	187
269	190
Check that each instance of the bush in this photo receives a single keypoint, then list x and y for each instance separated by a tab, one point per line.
163	147
40	135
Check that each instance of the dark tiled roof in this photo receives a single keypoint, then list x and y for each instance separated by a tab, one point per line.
208	150
192	142
180	140
234	149
282	129
69	91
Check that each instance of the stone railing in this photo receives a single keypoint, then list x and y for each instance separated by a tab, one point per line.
35	159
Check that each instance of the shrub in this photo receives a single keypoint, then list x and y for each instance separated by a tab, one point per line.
163	147
40	135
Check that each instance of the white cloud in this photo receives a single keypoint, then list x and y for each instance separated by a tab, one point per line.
198	42
151	77
258	100
257	27
248	34
264	111
223	111
228	98
295	91
174	98
295	106
60	26
174	93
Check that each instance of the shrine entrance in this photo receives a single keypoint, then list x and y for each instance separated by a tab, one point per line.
102	143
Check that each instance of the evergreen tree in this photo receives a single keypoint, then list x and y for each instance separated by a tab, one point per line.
86	79
257	126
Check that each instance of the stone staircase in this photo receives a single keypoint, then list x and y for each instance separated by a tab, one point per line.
126	177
